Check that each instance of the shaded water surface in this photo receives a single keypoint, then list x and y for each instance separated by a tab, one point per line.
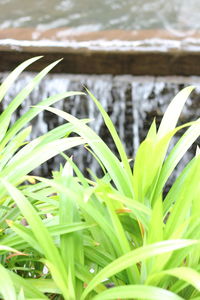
89	15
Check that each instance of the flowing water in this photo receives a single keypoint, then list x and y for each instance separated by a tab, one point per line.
131	102
90	15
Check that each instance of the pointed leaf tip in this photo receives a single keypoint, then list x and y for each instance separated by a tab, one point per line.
173	111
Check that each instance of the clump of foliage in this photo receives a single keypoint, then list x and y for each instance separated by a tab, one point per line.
114	237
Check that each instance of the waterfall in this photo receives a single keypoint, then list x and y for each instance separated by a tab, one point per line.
132	103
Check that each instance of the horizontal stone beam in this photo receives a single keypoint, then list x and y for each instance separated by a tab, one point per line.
117	52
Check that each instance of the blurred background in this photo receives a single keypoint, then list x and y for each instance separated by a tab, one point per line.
175	16
134	56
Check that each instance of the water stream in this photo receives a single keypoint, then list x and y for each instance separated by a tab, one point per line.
131	102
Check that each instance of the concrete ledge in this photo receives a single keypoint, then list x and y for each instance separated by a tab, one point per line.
149	52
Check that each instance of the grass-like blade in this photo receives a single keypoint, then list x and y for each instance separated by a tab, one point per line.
110	161
137	292
15	103
189	275
29	290
32	112
176	154
114	135
173	111
14	75
7	289
135	256
31	156
53	258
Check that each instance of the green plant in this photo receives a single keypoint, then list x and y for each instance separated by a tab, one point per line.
18	158
118	230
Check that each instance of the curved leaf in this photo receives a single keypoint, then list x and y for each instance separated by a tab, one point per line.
173	111
138	292
110	161
14	74
191	276
7	289
135	256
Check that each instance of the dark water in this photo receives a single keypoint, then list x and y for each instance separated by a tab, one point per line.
95	15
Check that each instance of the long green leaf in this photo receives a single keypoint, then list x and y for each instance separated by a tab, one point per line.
14	74
189	275
32	112
25	236
43	237
29	290
136	256
137	292
13	146
110	161
173	111
29	158
7	113
44	285
7	289
184	199
177	153
114	135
